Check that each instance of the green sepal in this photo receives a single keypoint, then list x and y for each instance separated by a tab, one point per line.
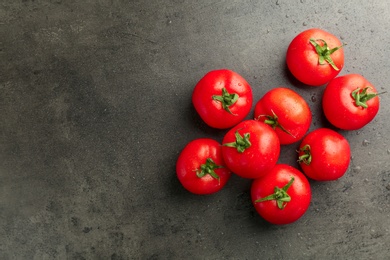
208	168
280	195
306	156
324	53
361	96
226	99
273	122
241	143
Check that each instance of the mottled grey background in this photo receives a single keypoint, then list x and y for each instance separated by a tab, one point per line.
95	106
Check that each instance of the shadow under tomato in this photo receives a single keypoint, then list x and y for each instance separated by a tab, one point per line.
198	125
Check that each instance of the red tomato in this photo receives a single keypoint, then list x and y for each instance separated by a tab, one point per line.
222	98
286	112
315	57
282	196
250	149
324	155
350	102
200	167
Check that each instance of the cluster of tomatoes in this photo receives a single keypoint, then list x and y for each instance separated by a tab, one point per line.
280	193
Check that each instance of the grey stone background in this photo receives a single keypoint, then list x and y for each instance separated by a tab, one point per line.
95	106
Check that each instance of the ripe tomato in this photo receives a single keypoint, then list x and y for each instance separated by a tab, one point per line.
222	98
315	57
350	102
324	155
286	112
250	149
200	167
282	196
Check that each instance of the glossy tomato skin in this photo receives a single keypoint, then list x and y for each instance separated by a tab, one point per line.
299	191
210	110
260	157
293	114
194	154
340	107
330	155
302	58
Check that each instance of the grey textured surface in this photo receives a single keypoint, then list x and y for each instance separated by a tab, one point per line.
95	106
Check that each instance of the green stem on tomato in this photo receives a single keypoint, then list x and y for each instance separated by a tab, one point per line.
361	96
226	99
273	122
241	143
324	52
208	168
280	195
306	156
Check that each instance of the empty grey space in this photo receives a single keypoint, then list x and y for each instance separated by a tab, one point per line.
95	107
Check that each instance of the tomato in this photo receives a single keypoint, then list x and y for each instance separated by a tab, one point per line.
282	196
286	112
250	149
200	167
222	98
350	102
315	57
324	155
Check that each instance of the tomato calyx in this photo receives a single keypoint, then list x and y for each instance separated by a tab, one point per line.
306	156
208	168
361	96
226	99
273	122
324	52
280	195
241	143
